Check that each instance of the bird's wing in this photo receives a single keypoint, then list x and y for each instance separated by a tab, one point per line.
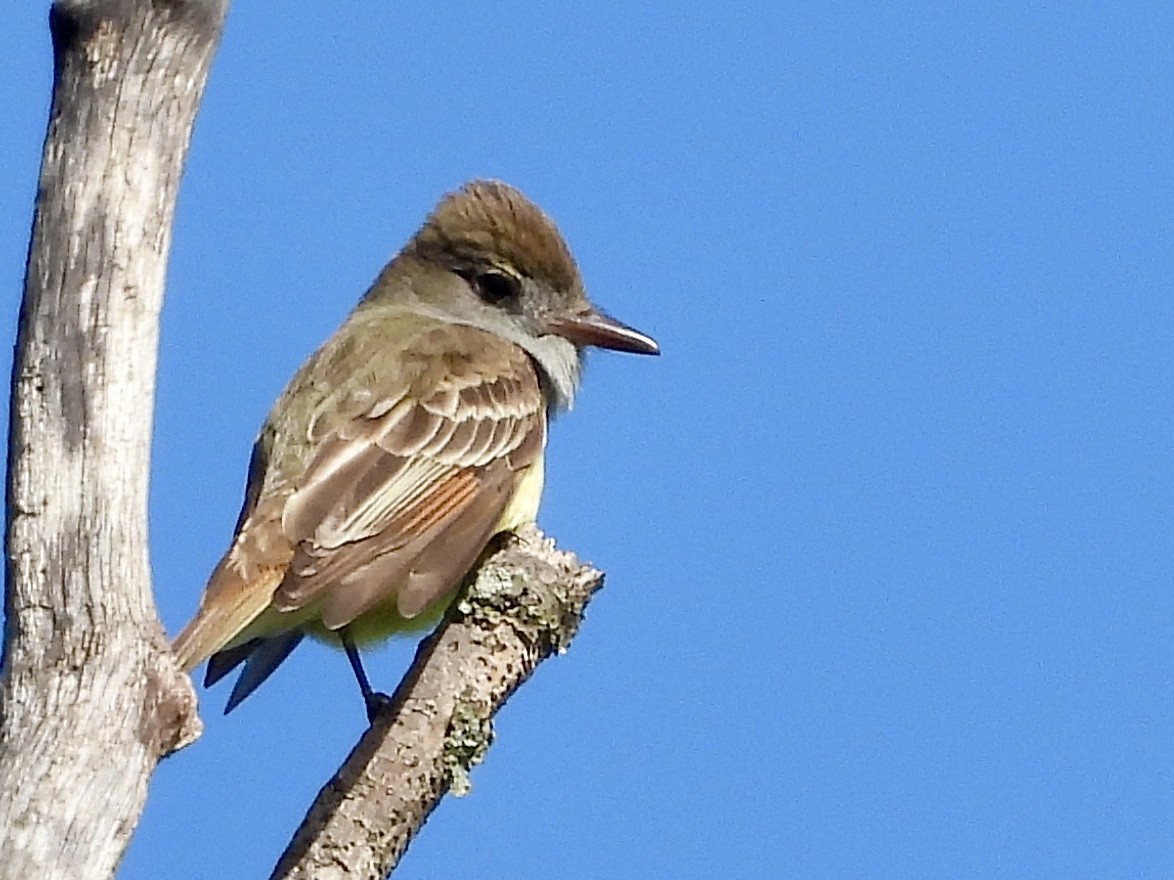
400	499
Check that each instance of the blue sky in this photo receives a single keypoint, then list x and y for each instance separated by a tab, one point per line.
887	528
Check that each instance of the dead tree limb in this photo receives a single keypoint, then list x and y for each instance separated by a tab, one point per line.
526	604
90	697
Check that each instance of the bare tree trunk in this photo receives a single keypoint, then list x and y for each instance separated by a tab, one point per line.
526	604
90	697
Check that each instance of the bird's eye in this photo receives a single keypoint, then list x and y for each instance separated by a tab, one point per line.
493	287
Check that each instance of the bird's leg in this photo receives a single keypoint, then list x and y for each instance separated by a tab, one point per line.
374	700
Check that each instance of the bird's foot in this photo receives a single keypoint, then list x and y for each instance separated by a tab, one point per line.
376	702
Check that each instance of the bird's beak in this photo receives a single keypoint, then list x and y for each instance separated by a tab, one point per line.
593	327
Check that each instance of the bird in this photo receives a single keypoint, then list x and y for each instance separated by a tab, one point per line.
411	438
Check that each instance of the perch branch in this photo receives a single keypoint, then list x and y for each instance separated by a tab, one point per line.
525	604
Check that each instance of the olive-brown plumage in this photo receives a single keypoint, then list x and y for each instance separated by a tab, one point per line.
411	437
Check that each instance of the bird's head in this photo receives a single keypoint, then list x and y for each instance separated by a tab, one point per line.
489	257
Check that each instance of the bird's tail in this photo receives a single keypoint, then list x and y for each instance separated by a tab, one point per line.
229	604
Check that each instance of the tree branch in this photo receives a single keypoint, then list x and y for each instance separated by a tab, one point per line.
90	696
526	603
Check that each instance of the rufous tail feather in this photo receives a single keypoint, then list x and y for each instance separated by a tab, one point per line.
228	606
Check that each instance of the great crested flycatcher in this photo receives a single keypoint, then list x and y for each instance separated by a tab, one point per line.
405	443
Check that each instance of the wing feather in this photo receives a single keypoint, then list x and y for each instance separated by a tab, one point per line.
400	500
407	474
